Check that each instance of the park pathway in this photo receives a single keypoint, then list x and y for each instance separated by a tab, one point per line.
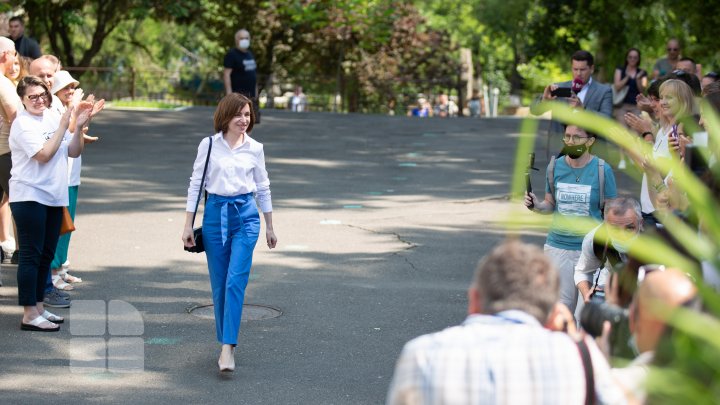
380	221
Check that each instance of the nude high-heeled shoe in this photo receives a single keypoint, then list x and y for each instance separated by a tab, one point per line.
228	364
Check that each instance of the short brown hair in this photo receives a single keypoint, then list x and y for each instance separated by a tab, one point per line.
517	275
228	108
30	81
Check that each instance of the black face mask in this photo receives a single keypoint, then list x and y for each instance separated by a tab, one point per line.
574	151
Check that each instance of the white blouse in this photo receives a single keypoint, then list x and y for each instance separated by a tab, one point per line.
231	171
661	149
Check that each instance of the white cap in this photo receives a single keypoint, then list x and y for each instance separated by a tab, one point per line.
61	80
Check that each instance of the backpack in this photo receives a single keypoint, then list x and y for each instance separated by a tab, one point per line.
601	179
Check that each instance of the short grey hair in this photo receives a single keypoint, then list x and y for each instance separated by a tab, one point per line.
240	31
519	276
6	45
620	205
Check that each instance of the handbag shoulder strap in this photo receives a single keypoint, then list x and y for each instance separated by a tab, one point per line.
202	182
589	375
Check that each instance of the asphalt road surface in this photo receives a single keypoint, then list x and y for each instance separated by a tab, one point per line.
380	221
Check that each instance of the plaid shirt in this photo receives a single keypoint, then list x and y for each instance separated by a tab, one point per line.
508	358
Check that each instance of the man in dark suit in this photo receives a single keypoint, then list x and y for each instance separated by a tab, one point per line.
24	45
586	93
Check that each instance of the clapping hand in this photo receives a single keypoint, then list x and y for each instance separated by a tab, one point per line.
88	139
77	97
644	103
639	125
82	113
65	118
98	106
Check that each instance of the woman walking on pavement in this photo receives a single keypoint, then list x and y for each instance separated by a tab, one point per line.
231	223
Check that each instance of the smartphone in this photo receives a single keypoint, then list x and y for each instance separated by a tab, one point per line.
562	92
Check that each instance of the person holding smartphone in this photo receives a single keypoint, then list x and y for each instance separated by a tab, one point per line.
677	103
581	92
574	188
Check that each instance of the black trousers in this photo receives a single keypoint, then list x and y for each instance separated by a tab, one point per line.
38	229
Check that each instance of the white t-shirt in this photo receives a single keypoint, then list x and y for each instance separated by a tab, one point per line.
31	180
74	164
660	150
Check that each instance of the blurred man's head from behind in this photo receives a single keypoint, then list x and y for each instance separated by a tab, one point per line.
515	276
8	55
658	294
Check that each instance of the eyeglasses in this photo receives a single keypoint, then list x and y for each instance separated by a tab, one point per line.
643	271
673	49
574	138
36	97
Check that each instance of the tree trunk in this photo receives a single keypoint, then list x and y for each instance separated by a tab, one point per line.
516	80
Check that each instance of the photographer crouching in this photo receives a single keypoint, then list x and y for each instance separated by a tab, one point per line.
603	249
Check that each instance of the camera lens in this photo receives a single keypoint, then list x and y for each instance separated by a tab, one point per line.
594	314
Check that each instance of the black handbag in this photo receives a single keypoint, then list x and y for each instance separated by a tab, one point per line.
197	232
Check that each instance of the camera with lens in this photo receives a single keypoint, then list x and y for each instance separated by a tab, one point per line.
594	314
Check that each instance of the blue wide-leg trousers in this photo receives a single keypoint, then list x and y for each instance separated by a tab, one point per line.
231	226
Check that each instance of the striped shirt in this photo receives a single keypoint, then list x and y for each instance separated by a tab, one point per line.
507	358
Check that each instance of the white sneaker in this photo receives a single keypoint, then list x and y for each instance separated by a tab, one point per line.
8	248
9	244
622	165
